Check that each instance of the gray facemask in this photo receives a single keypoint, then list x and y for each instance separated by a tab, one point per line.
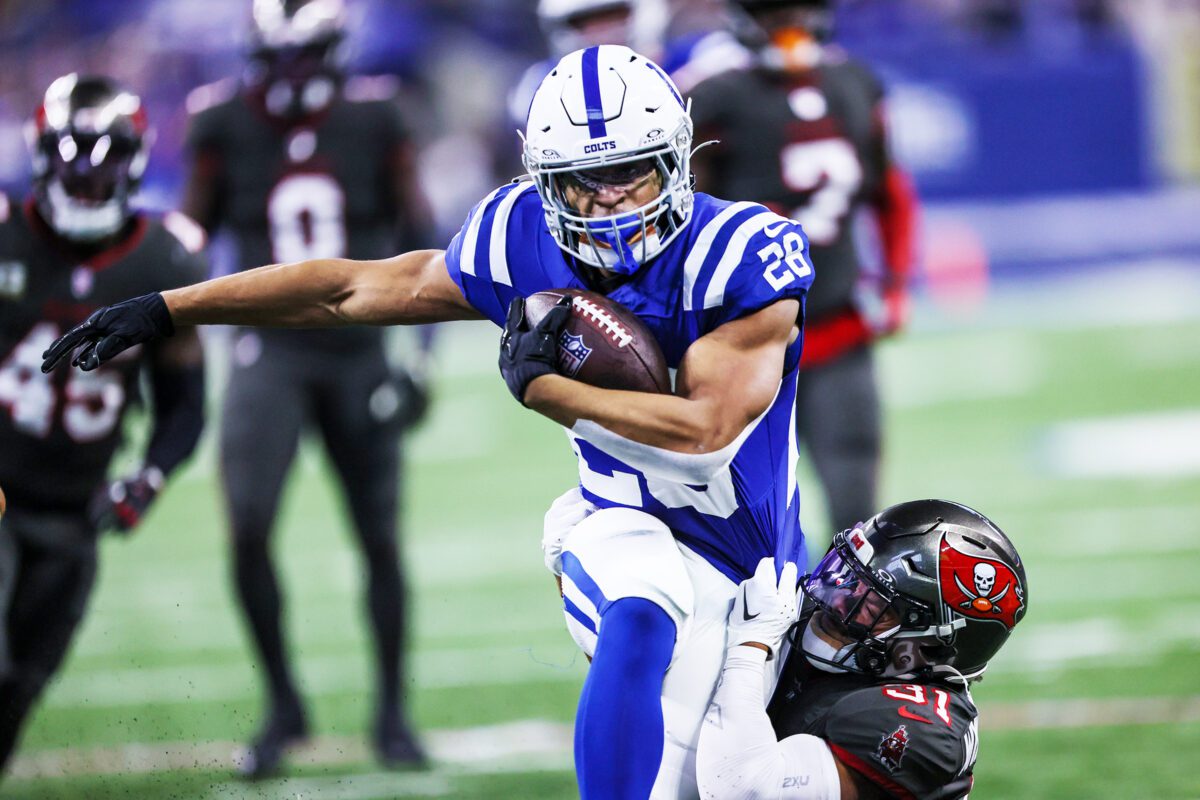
812	644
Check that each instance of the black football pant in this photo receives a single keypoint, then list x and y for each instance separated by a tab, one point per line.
47	570
838	421
350	400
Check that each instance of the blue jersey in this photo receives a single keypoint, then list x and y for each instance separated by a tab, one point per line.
730	261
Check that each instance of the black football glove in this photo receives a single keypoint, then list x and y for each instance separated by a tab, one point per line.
120	505
527	353
111	330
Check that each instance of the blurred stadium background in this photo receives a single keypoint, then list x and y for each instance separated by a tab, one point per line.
1051	378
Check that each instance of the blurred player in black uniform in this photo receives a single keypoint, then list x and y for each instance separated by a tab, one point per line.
901	615
297	161
72	247
803	132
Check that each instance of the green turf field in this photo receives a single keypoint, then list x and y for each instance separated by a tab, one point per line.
1096	696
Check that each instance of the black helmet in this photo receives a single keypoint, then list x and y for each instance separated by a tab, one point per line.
786	34
297	53
756	6
89	142
924	587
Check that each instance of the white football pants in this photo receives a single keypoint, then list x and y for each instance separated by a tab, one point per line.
620	552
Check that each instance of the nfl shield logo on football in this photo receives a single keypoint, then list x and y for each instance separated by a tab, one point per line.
572	352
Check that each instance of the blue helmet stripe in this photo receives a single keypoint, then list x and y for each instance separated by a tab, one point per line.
591	93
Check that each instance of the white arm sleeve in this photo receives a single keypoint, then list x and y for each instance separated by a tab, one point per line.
738	756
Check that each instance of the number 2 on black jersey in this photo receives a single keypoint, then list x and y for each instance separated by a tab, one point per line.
830	170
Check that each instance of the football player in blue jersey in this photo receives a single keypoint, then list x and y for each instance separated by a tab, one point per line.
680	495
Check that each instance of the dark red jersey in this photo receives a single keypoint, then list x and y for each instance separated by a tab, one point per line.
910	740
812	146
58	432
322	187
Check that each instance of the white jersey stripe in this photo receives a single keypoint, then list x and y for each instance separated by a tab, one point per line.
471	239
734	254
499	250
703	246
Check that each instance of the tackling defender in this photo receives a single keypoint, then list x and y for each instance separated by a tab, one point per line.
901	615
73	246
682	495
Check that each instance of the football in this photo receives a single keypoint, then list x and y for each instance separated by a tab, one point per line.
3	503
603	343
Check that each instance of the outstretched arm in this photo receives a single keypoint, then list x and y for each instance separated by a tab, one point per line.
409	288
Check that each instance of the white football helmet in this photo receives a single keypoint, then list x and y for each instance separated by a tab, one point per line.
279	23
601	107
642	29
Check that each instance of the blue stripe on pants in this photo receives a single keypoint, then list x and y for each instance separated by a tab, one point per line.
574	570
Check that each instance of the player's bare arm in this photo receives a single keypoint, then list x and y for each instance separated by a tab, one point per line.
412	287
725	381
409	288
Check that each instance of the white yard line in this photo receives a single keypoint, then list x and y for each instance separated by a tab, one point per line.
1100	532
1161	445
1099	641
521	746
1090	713
491	748
359	786
1104	582
929	371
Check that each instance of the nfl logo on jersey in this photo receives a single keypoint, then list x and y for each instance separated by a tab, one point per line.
572	352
